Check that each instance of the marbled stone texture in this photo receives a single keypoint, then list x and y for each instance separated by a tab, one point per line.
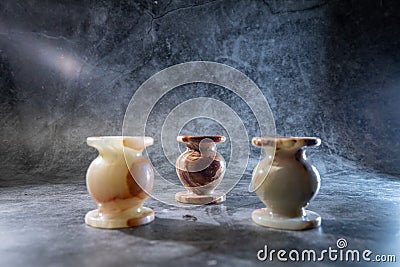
356	204
286	183
200	168
119	180
69	68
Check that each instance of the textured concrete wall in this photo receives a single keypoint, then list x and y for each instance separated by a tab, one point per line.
69	68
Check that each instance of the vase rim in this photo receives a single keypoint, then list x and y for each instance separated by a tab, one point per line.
199	138
282	140
134	142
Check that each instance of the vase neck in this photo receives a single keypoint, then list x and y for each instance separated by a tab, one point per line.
289	153
204	147
113	148
286	147
203	144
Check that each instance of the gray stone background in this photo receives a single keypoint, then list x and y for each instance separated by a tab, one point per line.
327	68
69	68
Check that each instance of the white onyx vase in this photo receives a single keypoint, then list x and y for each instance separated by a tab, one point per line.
286	182
119	180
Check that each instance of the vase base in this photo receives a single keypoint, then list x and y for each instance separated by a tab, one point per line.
191	198
264	217
122	220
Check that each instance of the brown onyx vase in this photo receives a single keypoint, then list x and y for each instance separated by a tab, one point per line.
200	169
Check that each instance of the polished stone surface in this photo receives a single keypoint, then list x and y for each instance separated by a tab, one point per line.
43	225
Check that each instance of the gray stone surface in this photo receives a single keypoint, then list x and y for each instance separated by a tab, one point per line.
68	70
43	225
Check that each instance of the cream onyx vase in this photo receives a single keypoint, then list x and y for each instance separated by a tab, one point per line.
119	180
286	183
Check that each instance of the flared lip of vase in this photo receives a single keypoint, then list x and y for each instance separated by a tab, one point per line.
134	142
199	138
286	141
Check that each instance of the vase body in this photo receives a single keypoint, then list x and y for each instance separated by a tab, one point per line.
200	169
119	180
286	183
